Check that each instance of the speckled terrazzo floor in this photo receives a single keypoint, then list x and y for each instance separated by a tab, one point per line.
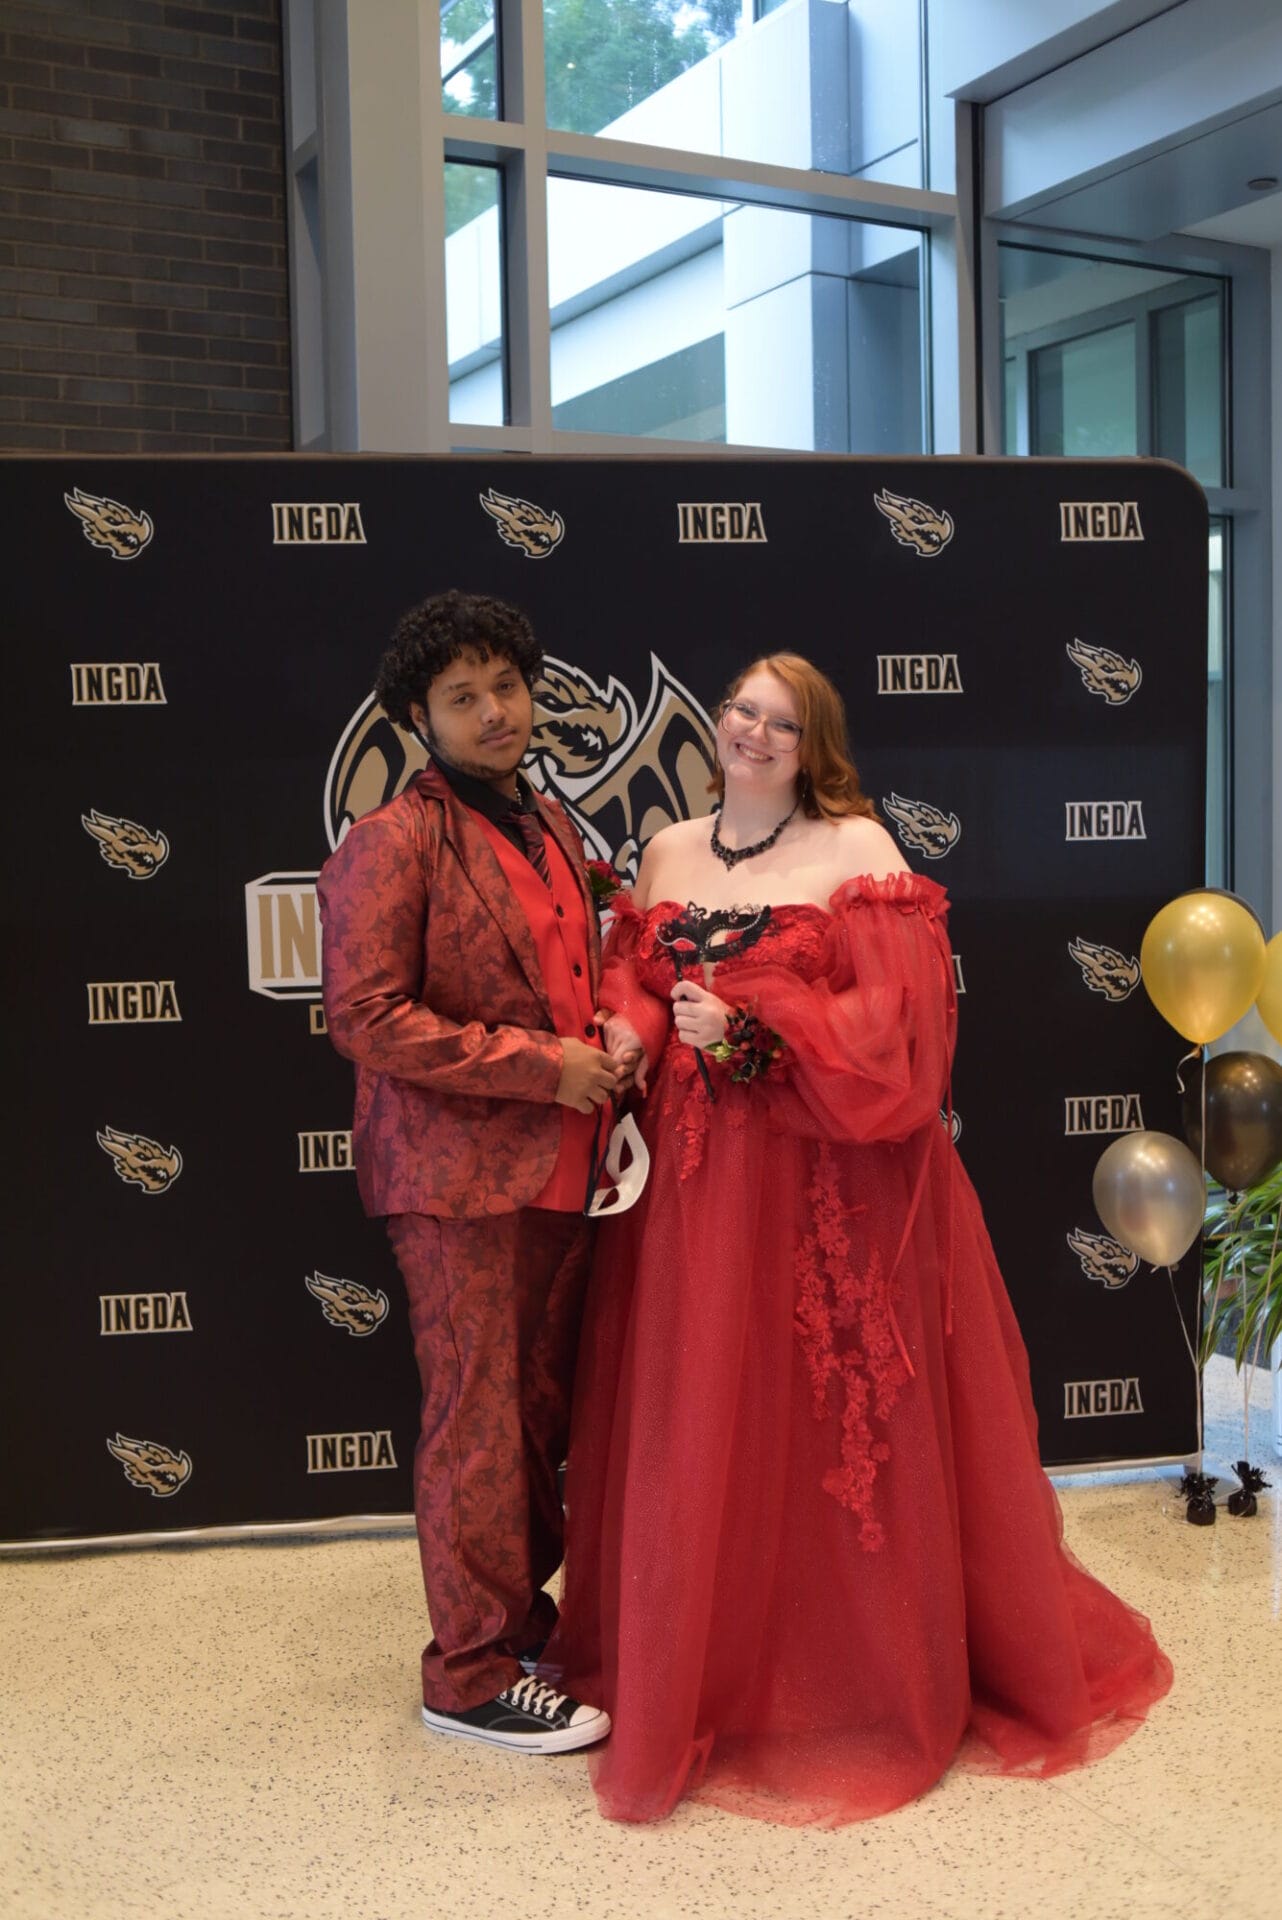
200	1732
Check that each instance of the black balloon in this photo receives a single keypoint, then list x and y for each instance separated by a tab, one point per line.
1243	1117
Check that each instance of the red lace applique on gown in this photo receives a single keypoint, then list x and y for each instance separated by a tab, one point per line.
811	1554
844	1321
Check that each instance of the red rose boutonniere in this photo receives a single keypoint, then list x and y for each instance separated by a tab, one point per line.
605	881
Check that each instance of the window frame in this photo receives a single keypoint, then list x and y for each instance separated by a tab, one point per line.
322	35
377	376
1244	505
1139	310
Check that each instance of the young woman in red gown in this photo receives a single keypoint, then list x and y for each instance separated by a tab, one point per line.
811	1555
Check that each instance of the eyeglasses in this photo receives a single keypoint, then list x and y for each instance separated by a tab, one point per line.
740	716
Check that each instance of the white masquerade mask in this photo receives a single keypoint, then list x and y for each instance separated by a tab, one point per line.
625	1183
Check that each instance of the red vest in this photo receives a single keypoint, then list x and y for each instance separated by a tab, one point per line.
559	924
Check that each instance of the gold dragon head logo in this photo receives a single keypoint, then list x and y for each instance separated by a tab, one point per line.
107	523
923	827
914	524
136	850
348	1305
1110	675
1103	1259
1105	970
159	1470
141	1162
522	524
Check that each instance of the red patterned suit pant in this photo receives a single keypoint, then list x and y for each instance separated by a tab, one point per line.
495	1305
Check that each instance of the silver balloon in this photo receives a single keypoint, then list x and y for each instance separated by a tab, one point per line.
1149	1192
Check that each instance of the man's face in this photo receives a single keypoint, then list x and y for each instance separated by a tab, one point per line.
480	715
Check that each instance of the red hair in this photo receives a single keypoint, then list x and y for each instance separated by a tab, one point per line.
828	781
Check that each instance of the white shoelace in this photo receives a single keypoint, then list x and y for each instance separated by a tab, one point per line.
532	1695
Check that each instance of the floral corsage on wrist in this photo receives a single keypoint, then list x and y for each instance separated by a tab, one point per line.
749	1047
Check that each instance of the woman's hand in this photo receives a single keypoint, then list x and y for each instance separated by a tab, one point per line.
700	1016
623	1044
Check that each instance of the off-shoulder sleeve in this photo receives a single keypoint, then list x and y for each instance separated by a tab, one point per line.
870	1041
621	990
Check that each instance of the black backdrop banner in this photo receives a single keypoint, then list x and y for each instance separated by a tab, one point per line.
207	1331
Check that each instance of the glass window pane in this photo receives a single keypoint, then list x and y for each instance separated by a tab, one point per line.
605	58
802	83
1010	405
474	294
684	318
1188	387
469	62
1217	793
1076	333
1062	316
1083	396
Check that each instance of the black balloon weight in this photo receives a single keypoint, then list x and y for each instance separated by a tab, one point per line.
1199	1490
1243	1503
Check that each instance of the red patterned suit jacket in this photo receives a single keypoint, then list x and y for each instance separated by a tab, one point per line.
433	988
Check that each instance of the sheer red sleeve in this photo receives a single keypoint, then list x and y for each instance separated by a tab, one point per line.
869	1043
621	989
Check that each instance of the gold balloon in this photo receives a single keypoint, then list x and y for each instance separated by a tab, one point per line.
1203	962
1269	1003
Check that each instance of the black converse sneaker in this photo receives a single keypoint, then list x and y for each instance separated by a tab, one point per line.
529	1716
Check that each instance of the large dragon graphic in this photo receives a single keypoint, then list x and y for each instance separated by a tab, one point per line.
621	769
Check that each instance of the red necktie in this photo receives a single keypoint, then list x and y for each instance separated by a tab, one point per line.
531	833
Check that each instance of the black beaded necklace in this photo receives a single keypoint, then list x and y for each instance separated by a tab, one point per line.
731	856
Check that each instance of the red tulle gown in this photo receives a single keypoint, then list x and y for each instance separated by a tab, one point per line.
811	1556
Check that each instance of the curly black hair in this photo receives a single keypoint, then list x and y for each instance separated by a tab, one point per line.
431	635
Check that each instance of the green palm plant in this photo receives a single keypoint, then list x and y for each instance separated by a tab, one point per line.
1242	1269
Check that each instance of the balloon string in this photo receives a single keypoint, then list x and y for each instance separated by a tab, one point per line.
1188	1344
1259	1335
1228	1220
1248	1380
1195	1054
1246	1372
1179	1314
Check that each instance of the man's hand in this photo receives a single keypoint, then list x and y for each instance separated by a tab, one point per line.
623	1043
588	1076
700	1016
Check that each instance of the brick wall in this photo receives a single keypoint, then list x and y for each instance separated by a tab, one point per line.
143	285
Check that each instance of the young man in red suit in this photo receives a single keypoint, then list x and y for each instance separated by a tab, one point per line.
461	960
